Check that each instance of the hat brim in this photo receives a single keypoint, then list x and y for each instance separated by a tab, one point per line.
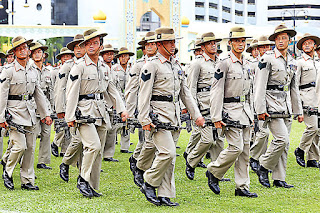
65	53
142	42
249	49
28	42
216	40
262	43
44	48
238	37
291	33
107	50
130	54
196	48
2	55
72	44
97	35
167	39
315	38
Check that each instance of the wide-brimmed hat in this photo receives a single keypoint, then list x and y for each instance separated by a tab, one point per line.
76	40
36	45
17	41
140	47
150	36
308	36
92	33
263	40
124	50
165	34
8	53
206	37
108	48
237	32
142	41
253	44
282	29
196	45
2	55
64	51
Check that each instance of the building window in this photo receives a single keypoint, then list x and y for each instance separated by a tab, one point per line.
146	17
213	18
251	14
39	7
225	21
213	5
251	1
199	4
239	1
239	13
199	18
226	9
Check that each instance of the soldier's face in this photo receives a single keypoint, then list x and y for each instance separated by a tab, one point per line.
37	55
210	47
79	51
264	48
282	41
238	44
92	46
167	47
255	52
198	52
108	56
22	51
65	58
308	46
124	58
10	58
151	48
144	51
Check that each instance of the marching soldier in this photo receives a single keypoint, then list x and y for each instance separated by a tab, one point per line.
9	57
162	83
277	93
87	90
306	78
44	76
20	95
229	104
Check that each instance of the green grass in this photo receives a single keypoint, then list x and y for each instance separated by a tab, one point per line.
122	195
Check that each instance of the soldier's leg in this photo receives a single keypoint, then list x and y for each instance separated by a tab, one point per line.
313	153
109	147
309	134
147	153
194	138
139	145
125	140
58	138
1	142
260	144
65	143
72	154
44	148
217	146
7	152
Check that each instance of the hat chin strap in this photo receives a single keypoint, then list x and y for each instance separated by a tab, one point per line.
166	49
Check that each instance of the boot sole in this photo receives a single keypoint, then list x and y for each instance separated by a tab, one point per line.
155	203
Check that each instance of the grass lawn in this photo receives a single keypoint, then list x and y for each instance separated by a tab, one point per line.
122	195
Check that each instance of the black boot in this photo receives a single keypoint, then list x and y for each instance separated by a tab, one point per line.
280	183
202	165
94	192
165	201
84	187
312	163
29	186
8	181
299	153
254	164
263	176
185	155
138	177
64	172
189	171
133	163
3	167
54	149
213	182
43	166
150	193
245	193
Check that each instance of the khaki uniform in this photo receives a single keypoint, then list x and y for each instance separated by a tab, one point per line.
17	80
163	78
88	78
306	77
276	90
232	80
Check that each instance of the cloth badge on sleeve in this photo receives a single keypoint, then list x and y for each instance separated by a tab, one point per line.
262	65
144	76
62	75
73	78
131	75
2	80
218	74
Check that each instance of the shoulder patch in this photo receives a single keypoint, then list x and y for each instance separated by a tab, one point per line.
131	75
73	78
262	65
218	75
2	80
144	76
62	75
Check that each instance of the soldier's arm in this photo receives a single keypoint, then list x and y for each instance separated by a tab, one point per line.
295	95
132	88
5	78
60	88
115	97
193	77
41	101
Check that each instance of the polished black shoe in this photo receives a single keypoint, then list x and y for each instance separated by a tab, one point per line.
61	154
131	144
244	193
54	150
208	155
84	187
29	186
138	177
213	183
64	172
95	193
312	163
110	159
125	151
279	183
189	171
132	162
225	180
254	164
185	155
178	147
8	181
43	166
202	165
299	153
150	193
3	167
263	176
165	201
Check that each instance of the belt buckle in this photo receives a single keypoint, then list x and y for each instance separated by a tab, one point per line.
313	83
242	98
286	88
25	97
97	96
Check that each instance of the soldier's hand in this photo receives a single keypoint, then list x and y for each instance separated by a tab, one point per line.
61	115
3	125
148	127
124	115
219	124
200	121
47	120
263	116
184	111
300	118
71	124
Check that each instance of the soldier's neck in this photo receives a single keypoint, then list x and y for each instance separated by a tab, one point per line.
238	55
94	58
212	56
311	54
124	66
39	64
284	53
109	64
22	62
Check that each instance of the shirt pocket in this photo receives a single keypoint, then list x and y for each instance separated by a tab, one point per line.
31	85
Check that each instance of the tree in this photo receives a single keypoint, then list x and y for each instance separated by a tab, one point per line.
54	44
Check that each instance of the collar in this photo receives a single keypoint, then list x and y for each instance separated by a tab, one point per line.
161	58
306	57
88	60
18	67
207	58
234	59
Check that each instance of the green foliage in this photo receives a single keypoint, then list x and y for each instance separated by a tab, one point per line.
54	44
139	54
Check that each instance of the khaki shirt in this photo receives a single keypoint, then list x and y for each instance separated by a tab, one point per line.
120	78
231	80
88	78
17	80
307	73
163	77
275	70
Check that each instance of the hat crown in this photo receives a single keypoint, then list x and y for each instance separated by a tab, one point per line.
63	49
89	32
253	42
263	38
197	42
18	38
123	49
164	30
108	46
78	37
306	35
149	34
209	34
237	30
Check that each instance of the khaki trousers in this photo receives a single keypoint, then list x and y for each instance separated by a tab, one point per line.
60	141
44	147
194	138
1	142
217	146
73	153
275	158
161	173
260	144
236	153
92	138
125	139
147	154
309	141
110	142
140	143
22	146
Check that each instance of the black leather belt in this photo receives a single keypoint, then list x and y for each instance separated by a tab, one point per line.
277	87
204	89
93	96
205	112
236	99
20	97
167	98
305	86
